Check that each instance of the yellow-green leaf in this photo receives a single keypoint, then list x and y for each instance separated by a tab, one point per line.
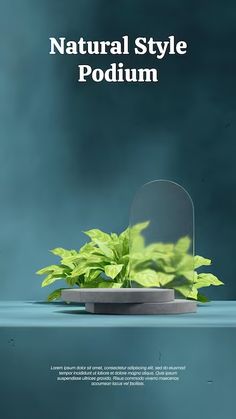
59	251
201	261
49	280
183	244
54	295
47	270
106	250
113	270
187	290
96	234
147	278
205	280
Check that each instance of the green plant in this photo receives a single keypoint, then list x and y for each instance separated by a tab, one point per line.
118	261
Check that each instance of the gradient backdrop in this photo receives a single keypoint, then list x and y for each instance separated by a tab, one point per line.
73	155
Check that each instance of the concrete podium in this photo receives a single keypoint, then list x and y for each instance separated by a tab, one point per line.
129	301
36	336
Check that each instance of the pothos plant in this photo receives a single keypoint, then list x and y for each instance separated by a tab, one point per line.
124	260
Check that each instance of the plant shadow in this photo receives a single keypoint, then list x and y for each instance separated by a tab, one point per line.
57	303
72	312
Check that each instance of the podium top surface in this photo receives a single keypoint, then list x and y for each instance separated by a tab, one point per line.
40	314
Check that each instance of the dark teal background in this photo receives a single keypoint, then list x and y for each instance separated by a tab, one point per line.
205	390
34	336
72	155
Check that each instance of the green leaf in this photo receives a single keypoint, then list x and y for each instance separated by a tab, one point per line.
189	275
92	274
124	234
207	279
166	248
168	269
72	258
47	270
137	244
98	283
117	285
147	278
187	290
193	294
50	279
72	280
96	234
182	245
201	261
202	298
105	284
115	237
96	259
87	248
138	228
106	250
81	269
59	251
70	261
151	278
185	264
55	295
124	242
165	278
113	270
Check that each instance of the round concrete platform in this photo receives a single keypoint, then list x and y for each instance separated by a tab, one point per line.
172	307
118	295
